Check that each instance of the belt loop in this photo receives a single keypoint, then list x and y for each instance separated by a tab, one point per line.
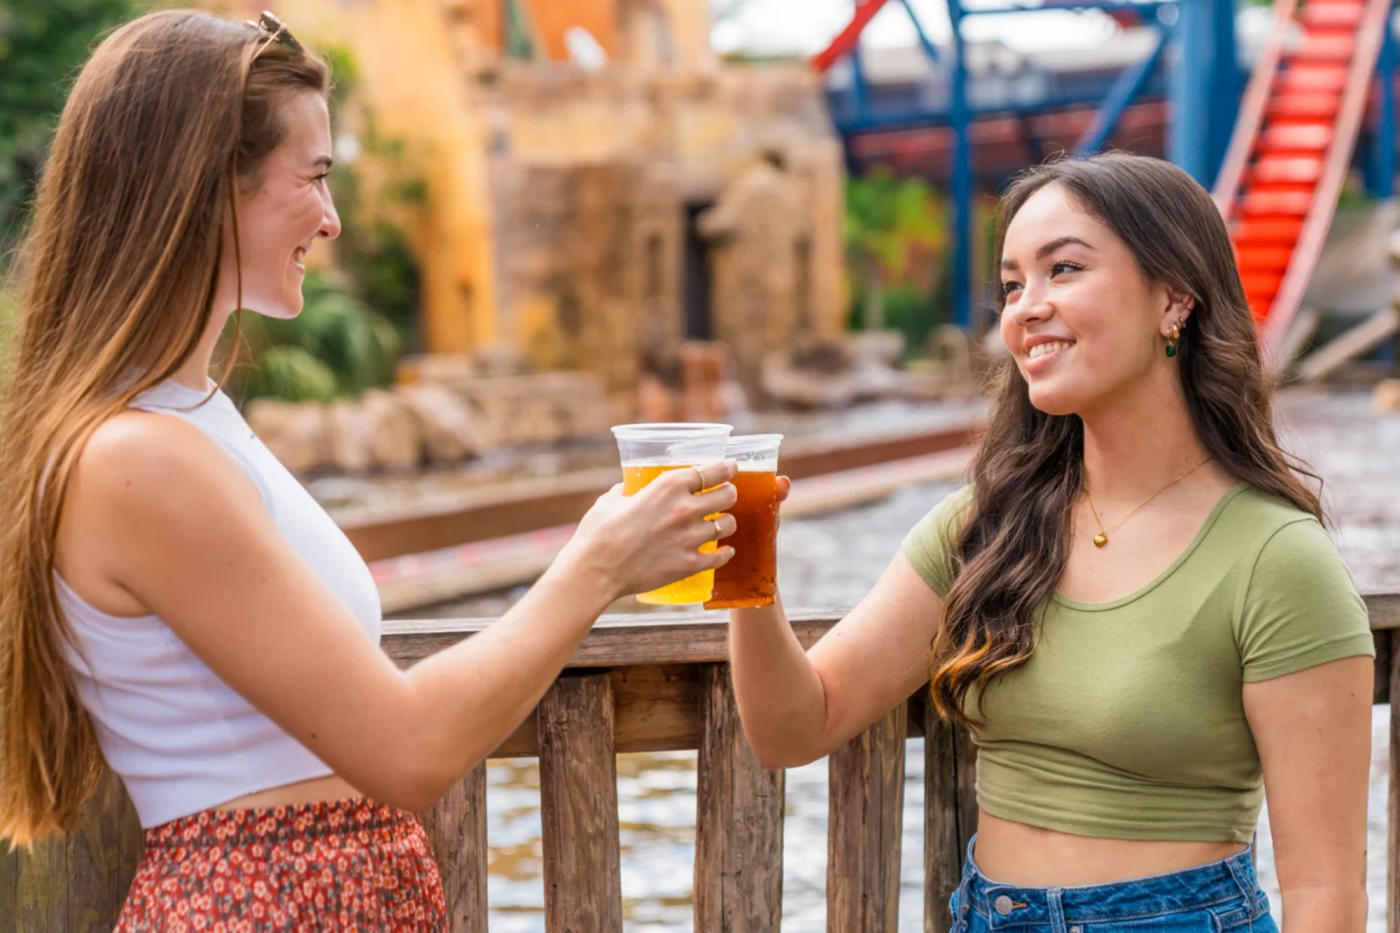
1054	903
1244	880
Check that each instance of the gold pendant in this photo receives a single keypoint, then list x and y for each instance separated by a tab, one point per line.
1100	540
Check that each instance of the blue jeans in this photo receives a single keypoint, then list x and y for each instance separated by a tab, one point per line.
1211	898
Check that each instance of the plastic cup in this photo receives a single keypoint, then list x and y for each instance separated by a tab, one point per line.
647	451
751	577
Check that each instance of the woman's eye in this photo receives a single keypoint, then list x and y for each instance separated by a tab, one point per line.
1008	287
1063	266
323	176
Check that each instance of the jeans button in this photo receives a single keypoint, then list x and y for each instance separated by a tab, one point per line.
1002	904
1076	929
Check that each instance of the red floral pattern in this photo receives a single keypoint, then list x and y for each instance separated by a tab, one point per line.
342	865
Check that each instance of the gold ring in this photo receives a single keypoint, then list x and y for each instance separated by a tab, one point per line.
715	522
700	473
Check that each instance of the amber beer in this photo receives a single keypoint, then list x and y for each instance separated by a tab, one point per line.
647	451
751	577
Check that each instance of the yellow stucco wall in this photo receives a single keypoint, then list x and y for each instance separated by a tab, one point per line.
413	77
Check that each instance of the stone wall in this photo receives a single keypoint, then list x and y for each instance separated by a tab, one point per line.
596	179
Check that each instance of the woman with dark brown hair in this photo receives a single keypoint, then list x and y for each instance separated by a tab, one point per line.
171	599
1133	606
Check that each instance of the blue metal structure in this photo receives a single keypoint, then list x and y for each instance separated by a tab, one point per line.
1202	86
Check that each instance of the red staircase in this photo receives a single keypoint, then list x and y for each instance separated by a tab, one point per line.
1292	146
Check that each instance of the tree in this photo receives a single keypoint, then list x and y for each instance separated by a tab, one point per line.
42	46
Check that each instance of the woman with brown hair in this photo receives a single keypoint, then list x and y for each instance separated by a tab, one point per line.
1133	606
171	599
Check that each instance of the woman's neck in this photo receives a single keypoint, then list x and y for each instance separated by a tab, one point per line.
195	372
1135	445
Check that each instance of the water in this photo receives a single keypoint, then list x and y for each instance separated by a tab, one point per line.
832	561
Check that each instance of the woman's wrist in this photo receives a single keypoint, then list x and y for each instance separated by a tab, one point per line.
589	580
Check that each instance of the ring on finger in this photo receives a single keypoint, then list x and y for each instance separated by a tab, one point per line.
715	522
700	473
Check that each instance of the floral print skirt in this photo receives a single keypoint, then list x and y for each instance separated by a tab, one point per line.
340	865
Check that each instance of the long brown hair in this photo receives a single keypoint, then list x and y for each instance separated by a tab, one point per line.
1029	469
170	118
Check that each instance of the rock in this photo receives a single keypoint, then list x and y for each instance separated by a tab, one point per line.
445	422
295	432
348	438
394	441
1386	395
882	346
448	368
655	402
799	387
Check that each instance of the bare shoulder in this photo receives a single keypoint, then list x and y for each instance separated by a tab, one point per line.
147	490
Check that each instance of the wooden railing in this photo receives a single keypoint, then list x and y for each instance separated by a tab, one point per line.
647	684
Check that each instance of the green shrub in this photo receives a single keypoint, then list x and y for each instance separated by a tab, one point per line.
336	348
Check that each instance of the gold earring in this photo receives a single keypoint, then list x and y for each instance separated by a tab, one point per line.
1173	340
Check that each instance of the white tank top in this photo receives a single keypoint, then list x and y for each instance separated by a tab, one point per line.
179	737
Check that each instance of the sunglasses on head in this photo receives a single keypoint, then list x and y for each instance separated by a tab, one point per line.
275	30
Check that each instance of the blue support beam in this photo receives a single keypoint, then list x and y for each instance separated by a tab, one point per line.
1148	10
929	48
1380	162
859	91
1205	87
1127	86
962	174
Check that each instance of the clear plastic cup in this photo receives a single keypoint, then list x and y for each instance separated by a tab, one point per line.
647	451
751	577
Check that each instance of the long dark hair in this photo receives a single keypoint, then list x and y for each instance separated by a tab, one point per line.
1030	467
171	116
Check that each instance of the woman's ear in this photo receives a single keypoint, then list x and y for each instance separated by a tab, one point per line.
1178	310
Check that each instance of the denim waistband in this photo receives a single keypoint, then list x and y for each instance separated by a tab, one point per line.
1009	906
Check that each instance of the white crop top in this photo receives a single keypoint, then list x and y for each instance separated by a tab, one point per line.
179	737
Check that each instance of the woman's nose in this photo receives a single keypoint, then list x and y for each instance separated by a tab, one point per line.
330	222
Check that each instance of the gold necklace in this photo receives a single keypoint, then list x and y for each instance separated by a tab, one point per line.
1101	538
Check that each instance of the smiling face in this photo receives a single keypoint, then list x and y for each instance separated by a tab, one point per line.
1083	324
284	212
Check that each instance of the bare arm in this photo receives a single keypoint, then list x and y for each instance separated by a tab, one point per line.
796	706
1313	731
211	563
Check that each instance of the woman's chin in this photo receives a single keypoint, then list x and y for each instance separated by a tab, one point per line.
1053	401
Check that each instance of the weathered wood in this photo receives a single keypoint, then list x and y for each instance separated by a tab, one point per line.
578	806
1359	339
456	828
621	640
1385	646
950	813
738	820
1384	610
1392	842
865	828
77	882
630	639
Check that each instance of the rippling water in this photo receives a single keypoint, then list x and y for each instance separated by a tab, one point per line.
832	561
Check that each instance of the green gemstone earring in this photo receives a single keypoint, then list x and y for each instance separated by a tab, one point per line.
1172	340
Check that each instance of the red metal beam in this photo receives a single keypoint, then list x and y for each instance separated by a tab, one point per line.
847	38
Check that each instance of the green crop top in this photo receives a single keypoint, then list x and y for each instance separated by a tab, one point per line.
1128	720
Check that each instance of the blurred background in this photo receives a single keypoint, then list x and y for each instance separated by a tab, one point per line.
778	213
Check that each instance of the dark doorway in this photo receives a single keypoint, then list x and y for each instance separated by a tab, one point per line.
695	287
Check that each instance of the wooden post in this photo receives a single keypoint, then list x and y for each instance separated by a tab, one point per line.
863	838
77	882
578	806
456	829
738	820
950	813
1392	846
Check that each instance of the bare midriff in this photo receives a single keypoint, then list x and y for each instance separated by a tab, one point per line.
1028	856
315	790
